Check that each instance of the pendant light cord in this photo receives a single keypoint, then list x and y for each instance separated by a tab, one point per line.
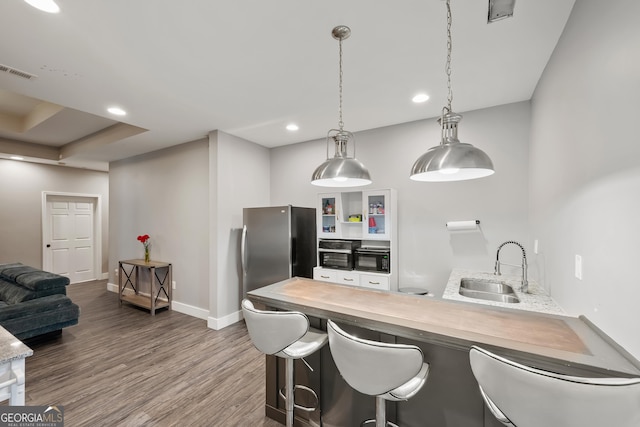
451	161
448	66
340	123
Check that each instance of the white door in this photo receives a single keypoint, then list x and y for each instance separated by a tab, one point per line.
69	237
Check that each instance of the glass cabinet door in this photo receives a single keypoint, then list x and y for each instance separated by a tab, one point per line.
378	215
328	224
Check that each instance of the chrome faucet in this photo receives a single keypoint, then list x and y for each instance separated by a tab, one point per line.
496	271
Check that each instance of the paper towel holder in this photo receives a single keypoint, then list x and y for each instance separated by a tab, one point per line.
463	225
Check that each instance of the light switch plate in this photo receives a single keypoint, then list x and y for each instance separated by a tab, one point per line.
578	267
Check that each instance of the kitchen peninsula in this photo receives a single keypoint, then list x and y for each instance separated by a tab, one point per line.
444	330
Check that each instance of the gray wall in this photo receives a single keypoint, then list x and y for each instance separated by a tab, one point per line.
585	168
21	188
427	251
165	194
189	199
239	179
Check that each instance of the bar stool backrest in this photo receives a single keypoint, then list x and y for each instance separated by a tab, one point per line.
371	367
531	397
273	331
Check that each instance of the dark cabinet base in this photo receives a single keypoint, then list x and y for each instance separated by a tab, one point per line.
450	397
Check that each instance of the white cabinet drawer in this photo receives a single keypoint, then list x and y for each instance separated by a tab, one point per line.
348	278
375	282
336	276
325	275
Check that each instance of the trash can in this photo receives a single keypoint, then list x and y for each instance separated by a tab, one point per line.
416	291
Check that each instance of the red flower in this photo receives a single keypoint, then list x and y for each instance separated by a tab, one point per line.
143	239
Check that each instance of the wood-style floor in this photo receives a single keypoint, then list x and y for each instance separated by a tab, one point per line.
122	367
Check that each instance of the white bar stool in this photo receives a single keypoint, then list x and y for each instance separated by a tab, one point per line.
284	334
521	396
387	371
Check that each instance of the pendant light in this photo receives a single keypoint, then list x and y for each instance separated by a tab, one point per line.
341	170
452	160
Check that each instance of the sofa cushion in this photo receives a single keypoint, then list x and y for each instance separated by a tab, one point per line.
8	266
33	278
39	316
37	307
12	293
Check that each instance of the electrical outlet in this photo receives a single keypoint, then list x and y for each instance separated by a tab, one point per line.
578	267
535	246
116	272
173	284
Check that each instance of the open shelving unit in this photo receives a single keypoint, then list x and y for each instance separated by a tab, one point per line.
367	216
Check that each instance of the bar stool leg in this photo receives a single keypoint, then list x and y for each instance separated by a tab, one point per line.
381	413
289	391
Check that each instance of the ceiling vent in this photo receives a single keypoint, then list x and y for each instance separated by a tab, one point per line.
500	9
16	72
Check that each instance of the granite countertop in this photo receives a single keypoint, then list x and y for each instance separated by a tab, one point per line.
11	348
536	300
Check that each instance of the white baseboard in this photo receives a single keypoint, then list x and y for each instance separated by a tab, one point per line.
225	321
190	310
104	276
197	312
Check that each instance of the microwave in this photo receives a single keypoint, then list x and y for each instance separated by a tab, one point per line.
337	254
373	259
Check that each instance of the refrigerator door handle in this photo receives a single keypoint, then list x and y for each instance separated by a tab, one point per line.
294	252
243	250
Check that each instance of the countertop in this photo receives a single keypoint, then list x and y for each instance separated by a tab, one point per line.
536	299
547	341
11	348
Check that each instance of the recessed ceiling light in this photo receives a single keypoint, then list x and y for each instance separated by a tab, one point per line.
421	97
48	6
16	158
292	127
117	111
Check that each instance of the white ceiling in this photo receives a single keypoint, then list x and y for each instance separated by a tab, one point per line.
250	67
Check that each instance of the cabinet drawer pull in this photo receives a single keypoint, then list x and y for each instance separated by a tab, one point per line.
373	283
324	277
347	280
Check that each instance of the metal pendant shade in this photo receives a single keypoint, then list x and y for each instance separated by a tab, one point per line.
341	170
452	160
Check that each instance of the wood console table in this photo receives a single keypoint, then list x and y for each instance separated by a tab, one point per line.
160	273
12	371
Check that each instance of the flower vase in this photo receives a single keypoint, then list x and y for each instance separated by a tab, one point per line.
147	258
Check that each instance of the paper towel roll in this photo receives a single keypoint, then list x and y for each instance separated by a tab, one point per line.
462	225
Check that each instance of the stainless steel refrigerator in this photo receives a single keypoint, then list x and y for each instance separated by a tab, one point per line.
278	242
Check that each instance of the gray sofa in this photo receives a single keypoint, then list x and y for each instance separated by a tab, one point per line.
34	302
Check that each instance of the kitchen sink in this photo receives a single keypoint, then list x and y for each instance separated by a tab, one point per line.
489	296
485	285
488	290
